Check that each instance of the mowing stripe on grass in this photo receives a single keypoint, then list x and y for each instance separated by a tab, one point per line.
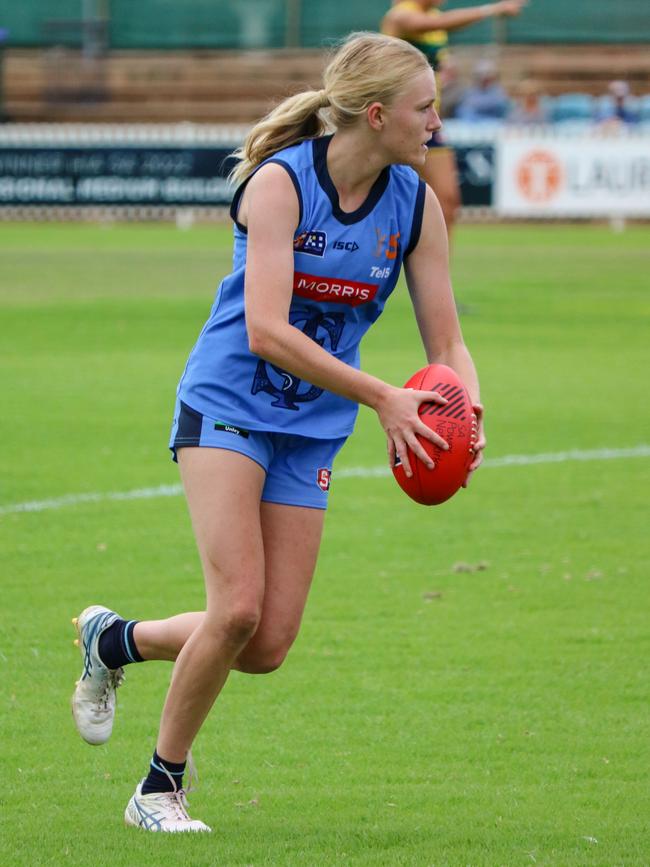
641	451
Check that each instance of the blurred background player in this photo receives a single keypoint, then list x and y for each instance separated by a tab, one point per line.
271	389
421	23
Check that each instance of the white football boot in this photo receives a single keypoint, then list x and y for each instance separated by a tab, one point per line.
93	701
161	811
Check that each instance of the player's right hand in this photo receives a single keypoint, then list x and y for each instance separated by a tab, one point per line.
398	414
510	8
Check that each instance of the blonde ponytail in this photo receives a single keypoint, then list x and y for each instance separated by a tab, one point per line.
296	118
367	68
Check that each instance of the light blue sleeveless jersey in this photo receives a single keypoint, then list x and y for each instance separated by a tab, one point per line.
345	267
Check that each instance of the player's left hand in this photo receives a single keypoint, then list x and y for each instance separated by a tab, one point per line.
480	444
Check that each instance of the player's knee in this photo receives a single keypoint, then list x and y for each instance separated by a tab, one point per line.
261	664
235	624
263	659
241	622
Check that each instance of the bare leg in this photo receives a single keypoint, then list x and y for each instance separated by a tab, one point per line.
164	639
223	492
292	537
288	572
258	561
441	174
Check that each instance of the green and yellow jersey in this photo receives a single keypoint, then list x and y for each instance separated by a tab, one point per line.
432	43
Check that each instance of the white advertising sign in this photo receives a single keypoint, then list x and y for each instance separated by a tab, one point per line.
581	176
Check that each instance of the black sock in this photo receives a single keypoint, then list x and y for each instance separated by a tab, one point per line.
116	645
159	781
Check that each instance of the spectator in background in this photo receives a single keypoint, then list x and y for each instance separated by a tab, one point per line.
485	100
451	87
616	109
527	108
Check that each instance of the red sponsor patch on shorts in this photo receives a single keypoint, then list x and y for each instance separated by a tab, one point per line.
323	478
335	289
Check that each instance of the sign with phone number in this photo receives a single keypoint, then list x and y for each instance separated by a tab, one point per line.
159	176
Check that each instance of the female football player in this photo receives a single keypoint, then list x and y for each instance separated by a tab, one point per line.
322	225
421	23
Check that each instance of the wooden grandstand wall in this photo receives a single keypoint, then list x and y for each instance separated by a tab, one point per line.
238	87
138	86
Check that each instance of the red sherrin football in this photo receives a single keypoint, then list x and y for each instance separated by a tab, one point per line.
456	423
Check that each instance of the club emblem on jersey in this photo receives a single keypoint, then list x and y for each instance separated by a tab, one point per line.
387	245
312	242
323	479
284	386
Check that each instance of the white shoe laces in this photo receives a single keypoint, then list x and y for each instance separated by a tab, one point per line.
177	798
192	774
178	804
114	679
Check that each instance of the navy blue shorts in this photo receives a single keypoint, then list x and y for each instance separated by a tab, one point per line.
298	469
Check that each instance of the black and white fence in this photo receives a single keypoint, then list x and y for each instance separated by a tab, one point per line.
79	171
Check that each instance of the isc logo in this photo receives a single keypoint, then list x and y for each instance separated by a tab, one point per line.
350	246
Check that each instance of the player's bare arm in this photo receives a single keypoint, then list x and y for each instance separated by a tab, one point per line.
400	22
269	287
427	276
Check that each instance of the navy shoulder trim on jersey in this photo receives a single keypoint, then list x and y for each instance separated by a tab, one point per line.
295	182
377	190
418	211
236	199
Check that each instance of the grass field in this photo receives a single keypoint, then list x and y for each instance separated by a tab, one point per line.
470	686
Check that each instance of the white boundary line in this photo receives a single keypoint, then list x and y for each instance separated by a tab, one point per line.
640	451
